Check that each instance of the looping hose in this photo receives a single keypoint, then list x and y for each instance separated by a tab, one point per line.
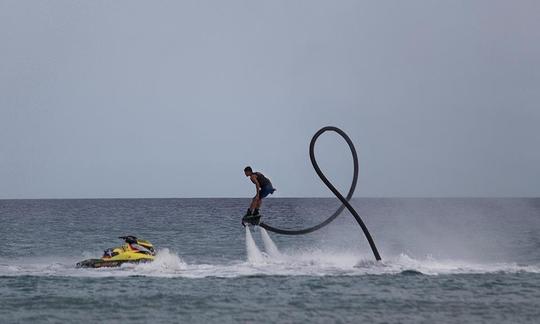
344	200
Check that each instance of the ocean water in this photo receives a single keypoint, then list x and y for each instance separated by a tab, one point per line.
444	261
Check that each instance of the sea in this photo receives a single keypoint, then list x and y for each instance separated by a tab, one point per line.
444	260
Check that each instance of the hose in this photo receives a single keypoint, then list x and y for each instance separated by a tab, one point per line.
344	200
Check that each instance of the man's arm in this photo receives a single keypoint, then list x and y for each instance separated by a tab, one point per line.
257	185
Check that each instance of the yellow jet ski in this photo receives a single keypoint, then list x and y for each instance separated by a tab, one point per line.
133	251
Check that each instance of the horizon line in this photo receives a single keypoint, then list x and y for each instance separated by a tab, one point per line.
303	197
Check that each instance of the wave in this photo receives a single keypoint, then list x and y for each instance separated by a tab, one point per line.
268	262
169	264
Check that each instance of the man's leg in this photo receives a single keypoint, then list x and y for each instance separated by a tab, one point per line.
254	203
252	206
258	204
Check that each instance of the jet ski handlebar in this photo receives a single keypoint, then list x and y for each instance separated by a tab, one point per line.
129	239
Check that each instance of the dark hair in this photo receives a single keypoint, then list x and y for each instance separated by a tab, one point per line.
248	169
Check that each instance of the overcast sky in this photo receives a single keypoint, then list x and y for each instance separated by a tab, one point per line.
174	98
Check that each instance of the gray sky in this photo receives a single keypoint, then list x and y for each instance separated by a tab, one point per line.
174	98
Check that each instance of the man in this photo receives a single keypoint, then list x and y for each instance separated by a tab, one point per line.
264	188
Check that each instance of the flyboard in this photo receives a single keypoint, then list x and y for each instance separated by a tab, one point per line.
256	220
251	220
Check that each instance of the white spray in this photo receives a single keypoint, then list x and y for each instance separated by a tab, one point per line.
269	245
254	255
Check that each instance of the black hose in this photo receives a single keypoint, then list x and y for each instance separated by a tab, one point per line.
344	200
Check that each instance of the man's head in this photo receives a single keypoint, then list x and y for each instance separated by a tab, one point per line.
248	171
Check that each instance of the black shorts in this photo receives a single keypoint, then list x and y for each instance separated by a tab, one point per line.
265	191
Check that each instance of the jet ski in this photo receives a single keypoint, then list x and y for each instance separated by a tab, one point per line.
134	250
